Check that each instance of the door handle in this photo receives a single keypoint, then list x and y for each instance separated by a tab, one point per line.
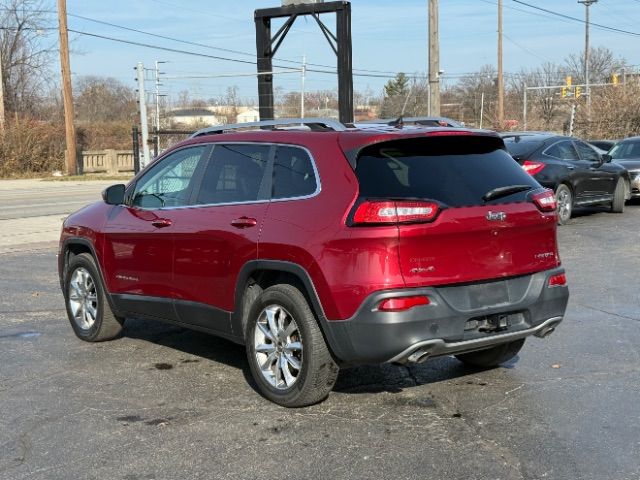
571	168
161	223
244	222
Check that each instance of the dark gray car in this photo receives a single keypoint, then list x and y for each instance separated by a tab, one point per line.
627	154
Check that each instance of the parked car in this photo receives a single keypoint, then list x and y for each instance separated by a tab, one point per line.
578	174
627	154
324	248
605	145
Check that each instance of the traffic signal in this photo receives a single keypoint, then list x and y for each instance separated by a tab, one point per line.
578	92
568	80
614	79
563	94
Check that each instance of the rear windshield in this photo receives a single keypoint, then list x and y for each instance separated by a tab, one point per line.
521	146
453	170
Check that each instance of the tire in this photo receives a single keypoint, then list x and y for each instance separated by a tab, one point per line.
88	310
564	197
619	197
492	357
287	354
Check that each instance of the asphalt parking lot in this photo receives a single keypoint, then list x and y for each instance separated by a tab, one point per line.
167	403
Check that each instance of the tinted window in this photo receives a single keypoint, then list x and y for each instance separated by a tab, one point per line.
626	150
563	150
169	183
234	174
522	147
293	174
586	152
453	170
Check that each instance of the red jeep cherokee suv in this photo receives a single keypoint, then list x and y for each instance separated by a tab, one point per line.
322	247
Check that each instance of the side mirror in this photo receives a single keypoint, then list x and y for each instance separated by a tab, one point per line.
606	158
114	195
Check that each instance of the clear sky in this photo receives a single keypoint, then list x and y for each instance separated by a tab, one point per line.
388	36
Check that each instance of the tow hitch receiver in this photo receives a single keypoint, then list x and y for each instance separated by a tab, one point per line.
493	323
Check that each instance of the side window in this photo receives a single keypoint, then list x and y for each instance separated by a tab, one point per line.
234	174
293	174
169	183
586	152
563	150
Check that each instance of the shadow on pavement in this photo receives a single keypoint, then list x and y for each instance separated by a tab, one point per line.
389	378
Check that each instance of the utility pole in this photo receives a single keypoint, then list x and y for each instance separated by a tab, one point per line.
434	59
500	73
144	126
71	159
302	79
1	100
156	142
587	4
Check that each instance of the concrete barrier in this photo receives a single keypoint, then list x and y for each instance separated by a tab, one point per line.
107	161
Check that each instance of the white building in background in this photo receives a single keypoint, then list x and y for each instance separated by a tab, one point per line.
194	117
251	115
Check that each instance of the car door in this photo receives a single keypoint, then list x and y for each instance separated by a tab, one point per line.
218	234
139	241
602	179
576	171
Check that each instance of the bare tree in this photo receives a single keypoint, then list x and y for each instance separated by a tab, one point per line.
547	103
104	99
24	54
602	63
471	90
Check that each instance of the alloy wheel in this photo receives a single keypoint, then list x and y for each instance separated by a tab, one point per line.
83	298
278	347
564	204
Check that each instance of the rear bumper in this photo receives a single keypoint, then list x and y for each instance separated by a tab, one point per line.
445	325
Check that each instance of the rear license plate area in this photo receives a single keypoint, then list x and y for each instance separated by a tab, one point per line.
488	294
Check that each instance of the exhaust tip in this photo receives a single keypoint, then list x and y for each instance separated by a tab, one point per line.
546	332
419	356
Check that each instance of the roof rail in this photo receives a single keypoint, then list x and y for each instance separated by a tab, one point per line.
315	124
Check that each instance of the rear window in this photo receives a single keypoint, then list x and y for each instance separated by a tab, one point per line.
453	170
521	147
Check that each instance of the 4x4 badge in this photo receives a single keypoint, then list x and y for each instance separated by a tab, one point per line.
496	216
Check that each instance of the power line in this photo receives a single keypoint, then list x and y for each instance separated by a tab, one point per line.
568	17
166	49
216	57
227	50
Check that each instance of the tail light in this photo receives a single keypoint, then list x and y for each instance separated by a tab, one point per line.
532	167
400	304
545	201
558	280
390	212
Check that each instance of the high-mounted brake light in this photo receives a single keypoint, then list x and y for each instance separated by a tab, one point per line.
545	201
387	212
399	304
558	280
532	167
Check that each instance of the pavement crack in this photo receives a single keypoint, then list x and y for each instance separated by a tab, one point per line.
618	315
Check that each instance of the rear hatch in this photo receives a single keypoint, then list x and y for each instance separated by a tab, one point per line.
464	209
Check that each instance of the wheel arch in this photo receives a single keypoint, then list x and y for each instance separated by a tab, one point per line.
265	273
75	246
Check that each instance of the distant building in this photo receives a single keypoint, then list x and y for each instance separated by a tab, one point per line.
194	117
247	116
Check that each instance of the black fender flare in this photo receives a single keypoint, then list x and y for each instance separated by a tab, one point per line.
278	266
63	260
